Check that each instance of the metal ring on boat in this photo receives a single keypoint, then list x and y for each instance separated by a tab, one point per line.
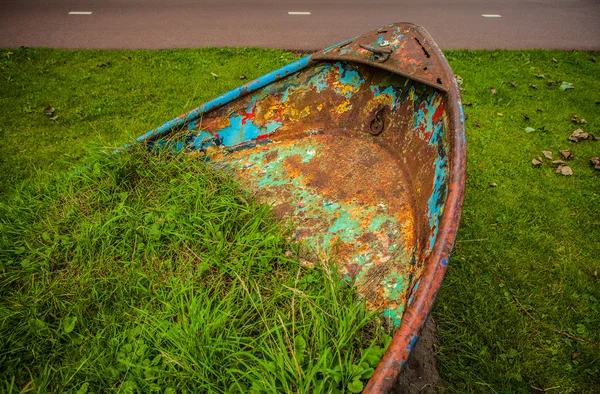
377	123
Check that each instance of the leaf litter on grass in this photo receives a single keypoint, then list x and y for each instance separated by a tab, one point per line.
580	135
564	169
566	154
49	110
548	219
575	119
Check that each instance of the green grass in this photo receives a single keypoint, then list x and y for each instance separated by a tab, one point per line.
534	238
146	273
105	98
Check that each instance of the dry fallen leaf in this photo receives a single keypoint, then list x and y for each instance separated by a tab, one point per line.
575	119
493	184
537	162
49	110
566	154
580	135
547	154
493	91
513	84
540	76
558	162
477	124
595	162
214	75
564	170
554	60
532	86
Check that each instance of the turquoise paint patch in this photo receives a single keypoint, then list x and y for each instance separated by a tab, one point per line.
201	138
345	227
377	222
395	285
435	204
347	49
192	125
243	130
237	132
426	128
394	315
272	126
285	96
349	77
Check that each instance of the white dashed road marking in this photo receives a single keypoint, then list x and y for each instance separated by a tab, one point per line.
80	13
298	13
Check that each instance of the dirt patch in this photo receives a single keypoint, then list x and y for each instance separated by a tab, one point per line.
420	375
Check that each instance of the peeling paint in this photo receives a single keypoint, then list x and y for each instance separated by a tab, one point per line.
311	128
365	156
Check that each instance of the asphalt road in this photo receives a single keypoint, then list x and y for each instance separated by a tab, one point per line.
557	24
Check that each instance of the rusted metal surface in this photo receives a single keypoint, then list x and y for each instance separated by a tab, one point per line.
401	48
307	146
363	149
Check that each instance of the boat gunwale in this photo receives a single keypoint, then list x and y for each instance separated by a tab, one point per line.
435	266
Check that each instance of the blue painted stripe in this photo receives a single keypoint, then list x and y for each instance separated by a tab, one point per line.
226	98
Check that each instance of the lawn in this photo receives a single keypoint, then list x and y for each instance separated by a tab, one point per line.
519	308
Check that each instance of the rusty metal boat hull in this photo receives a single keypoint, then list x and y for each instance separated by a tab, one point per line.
362	146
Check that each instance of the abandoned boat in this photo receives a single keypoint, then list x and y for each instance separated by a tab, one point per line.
362	146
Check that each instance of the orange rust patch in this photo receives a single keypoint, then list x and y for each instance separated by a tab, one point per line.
270	157
353	170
